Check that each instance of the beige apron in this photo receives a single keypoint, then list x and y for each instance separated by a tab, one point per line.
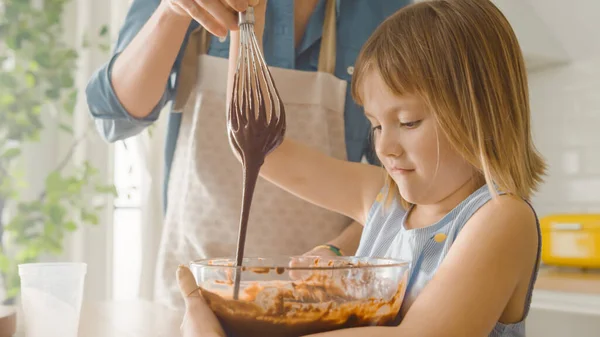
205	187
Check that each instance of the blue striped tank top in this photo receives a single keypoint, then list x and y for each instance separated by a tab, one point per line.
385	235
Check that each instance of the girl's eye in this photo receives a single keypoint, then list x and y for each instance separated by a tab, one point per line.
376	128
410	125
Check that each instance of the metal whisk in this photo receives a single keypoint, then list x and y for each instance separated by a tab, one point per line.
255	121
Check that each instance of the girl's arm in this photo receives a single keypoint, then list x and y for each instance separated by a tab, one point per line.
494	253
341	186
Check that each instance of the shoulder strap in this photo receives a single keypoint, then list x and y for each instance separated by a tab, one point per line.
197	44
327	55
535	271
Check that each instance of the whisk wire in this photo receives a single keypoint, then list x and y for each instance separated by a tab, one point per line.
256	85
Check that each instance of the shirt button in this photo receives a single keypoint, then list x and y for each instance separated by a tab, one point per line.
439	237
222	39
350	70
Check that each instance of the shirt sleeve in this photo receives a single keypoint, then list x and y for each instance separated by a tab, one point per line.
112	120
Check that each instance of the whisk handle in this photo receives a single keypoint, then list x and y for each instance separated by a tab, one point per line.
246	16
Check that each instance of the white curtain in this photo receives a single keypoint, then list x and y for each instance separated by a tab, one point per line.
94	245
91	244
150	148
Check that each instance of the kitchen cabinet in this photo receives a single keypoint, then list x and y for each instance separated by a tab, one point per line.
566	302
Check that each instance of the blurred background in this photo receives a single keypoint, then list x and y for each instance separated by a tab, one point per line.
65	194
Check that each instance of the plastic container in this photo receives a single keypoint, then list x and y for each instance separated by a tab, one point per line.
571	240
295	296
51	297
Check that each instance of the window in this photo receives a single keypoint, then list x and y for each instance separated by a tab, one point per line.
126	224
127	259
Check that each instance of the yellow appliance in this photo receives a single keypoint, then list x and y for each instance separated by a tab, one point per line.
571	240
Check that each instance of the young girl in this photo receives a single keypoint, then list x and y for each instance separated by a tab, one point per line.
444	86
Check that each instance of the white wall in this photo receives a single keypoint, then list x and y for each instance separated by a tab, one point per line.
575	23
540	46
565	105
566	124
542	323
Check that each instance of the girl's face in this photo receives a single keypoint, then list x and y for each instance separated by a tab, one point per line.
415	153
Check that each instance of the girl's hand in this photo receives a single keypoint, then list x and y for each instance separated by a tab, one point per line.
306	259
320	251
217	16
199	320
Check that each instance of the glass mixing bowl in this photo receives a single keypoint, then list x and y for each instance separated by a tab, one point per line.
295	296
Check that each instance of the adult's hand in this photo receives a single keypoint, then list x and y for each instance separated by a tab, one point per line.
217	16
199	320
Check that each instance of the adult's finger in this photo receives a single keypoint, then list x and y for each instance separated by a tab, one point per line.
187	282
224	14
203	17
238	5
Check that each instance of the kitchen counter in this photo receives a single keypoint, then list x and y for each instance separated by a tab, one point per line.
569	280
567	290
134	318
126	319
560	290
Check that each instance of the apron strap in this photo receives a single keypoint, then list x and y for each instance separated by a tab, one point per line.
199	42
327	55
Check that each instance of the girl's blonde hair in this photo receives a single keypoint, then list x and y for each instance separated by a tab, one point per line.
463	59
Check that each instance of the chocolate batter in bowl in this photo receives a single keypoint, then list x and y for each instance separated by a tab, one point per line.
296	296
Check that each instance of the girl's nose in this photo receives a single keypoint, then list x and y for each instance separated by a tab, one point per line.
388	144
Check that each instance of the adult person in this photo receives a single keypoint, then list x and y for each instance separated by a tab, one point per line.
161	57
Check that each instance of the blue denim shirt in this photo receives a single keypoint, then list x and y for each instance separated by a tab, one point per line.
356	20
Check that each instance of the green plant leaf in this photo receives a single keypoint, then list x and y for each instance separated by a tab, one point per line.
4	263
107	189
42	57
70	226
104	47
13	291
10	154
36	110
30	80
88	217
34	66
7	99
52	245
85	42
66	79
31	252
34	136
66	128
53	93
56	213
104	30
70	102
54	182
7	80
